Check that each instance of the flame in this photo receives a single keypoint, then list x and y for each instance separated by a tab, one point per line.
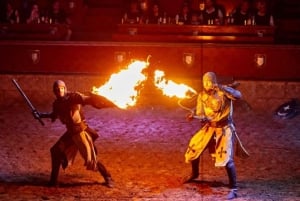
121	88
170	88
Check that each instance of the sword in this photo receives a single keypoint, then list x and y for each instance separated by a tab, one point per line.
33	110
240	149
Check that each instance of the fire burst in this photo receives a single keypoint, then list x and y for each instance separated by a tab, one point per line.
121	88
170	88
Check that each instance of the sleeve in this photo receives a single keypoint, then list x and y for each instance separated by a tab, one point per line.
52	115
97	101
231	93
199	106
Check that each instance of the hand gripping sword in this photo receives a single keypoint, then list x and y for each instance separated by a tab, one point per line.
27	100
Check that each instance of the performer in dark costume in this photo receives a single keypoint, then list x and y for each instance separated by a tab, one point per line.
214	106
79	136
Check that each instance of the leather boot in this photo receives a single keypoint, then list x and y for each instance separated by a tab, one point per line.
231	172
195	171
55	163
106	175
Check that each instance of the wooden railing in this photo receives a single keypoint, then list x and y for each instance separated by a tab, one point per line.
33	31
194	33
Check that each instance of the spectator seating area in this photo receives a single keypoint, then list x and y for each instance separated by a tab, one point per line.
94	20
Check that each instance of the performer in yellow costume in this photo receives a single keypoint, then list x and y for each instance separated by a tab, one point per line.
214	108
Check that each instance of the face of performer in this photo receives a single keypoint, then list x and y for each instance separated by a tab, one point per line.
59	89
209	81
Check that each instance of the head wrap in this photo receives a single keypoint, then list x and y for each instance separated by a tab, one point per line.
211	76
57	84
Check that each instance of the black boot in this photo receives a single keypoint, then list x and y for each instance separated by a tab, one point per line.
106	175
195	171
55	163
231	172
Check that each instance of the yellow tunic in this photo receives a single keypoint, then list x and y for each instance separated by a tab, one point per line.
216	107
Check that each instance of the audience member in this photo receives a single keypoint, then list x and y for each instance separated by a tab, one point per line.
185	14
10	14
220	7
242	14
213	13
155	15
57	14
262	13
133	13
144	9
25	9
195	19
34	15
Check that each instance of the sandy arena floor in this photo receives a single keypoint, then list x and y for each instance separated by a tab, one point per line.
144	150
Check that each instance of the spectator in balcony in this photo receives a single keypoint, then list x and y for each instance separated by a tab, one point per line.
133	13
213	13
185	14
57	14
194	19
220	7
144	9
10	14
155	15
263	15
34	15
242	13
25	10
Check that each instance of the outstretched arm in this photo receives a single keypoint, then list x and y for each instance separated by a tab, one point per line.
97	101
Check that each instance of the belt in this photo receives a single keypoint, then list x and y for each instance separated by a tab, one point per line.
77	127
218	124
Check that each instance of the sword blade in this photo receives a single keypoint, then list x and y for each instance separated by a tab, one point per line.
28	102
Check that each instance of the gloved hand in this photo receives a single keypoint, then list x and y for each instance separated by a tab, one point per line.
189	116
36	114
204	120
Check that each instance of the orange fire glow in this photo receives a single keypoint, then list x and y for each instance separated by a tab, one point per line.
170	88
122	87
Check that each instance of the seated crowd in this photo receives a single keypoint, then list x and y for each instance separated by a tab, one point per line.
30	13
209	12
